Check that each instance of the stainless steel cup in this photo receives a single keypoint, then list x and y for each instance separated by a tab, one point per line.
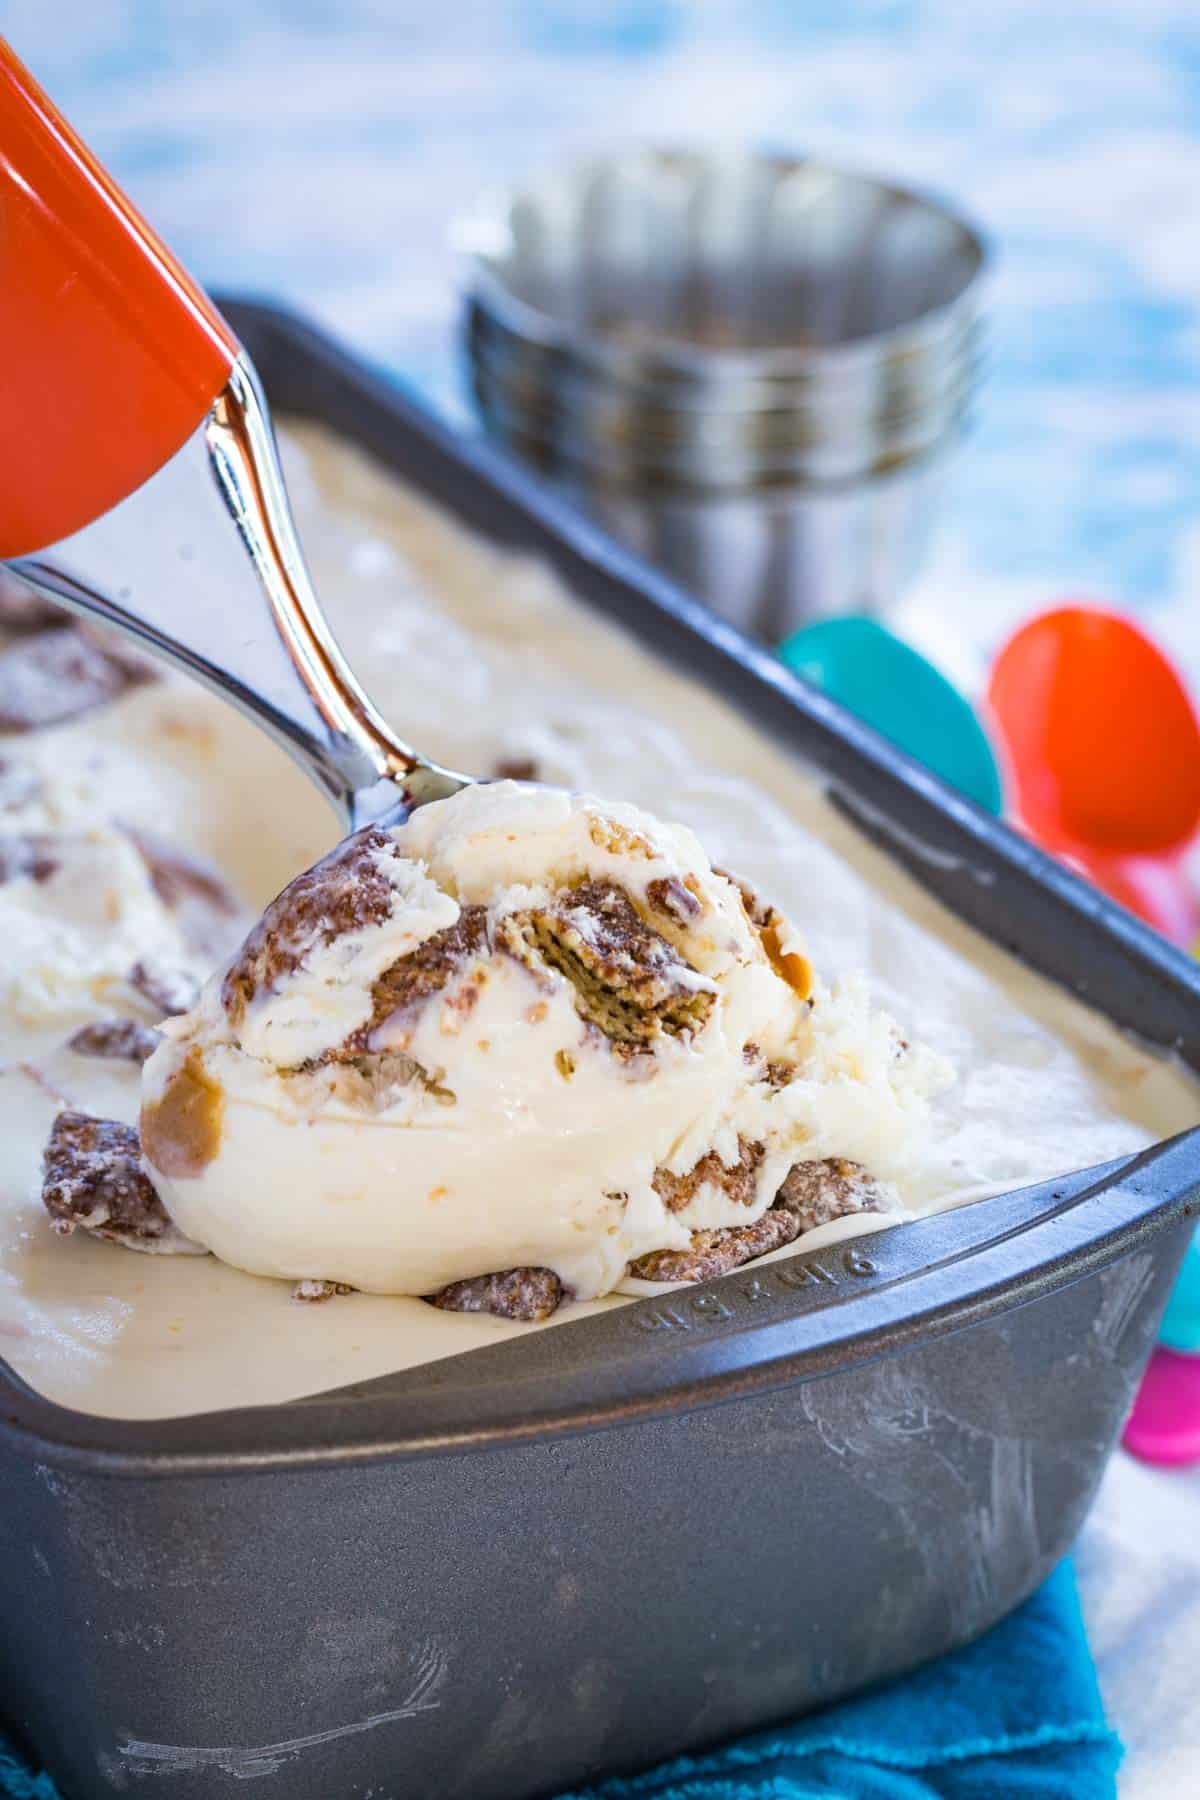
753	368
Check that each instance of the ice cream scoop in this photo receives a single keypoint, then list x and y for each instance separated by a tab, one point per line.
141	482
526	1034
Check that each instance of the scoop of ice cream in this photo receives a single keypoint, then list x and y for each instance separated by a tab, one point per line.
525	1031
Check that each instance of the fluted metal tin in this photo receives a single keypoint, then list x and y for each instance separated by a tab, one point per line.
753	368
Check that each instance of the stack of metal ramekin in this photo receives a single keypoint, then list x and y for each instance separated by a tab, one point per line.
750	367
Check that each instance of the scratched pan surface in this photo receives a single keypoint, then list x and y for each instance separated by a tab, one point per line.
523	1568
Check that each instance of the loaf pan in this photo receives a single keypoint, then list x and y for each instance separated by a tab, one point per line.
524	1568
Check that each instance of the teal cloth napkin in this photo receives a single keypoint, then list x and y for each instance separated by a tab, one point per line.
1015	1716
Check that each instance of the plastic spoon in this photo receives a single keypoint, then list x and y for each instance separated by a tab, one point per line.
1104	751
1181	1321
889	685
1105	756
1164	1425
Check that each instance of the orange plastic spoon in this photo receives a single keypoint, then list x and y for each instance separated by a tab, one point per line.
1104	750
1103	747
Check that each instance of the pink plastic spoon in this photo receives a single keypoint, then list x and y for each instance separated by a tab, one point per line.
1164	1426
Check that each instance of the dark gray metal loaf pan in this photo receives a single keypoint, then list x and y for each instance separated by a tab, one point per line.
521	1569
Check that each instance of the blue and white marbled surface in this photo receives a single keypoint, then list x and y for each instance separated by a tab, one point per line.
318	150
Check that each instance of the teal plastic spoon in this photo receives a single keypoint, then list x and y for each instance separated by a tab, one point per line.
1180	1328
888	684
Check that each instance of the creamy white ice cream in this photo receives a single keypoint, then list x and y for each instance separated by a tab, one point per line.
526	1030
483	659
82	927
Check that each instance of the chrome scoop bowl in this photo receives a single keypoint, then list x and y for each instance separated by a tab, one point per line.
236	609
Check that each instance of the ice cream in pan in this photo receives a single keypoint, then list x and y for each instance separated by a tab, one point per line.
489	659
505	1047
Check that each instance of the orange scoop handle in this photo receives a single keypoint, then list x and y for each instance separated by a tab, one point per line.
112	356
